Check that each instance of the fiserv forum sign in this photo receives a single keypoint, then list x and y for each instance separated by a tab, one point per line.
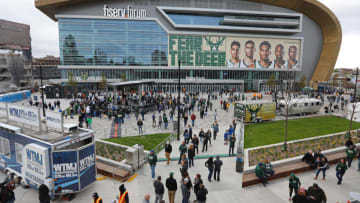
124	12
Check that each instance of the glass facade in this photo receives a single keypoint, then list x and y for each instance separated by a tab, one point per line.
120	44
195	19
112	42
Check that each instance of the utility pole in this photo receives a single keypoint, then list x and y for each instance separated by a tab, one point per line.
179	90
42	91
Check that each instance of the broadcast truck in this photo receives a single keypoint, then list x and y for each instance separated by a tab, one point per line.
255	110
35	151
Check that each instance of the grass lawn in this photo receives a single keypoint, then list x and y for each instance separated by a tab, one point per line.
149	141
274	132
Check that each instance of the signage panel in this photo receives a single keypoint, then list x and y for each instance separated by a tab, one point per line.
234	52
22	114
54	120
65	171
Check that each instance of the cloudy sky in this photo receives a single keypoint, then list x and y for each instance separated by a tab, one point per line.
45	37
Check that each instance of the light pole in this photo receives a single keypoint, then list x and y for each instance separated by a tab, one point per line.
178	104
42	91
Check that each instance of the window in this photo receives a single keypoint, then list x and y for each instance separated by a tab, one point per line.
112	42
6	147
18	152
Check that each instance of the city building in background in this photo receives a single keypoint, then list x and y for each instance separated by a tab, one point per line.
15	54
228	44
49	66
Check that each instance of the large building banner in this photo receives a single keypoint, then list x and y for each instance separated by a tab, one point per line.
235	52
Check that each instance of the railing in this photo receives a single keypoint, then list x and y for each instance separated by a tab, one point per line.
161	146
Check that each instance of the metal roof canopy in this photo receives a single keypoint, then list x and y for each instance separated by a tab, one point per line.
129	83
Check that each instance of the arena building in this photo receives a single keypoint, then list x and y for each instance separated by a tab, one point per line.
226	44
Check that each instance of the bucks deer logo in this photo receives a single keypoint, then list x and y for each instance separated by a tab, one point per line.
214	46
84	75
253	109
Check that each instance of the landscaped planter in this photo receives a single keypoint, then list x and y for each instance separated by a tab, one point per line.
298	147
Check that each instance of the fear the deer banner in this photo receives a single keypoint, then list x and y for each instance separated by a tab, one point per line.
197	50
235	52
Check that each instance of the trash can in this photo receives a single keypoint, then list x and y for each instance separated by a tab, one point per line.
239	160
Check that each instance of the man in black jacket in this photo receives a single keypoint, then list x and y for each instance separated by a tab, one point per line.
168	150
217	163
309	159
201	194
316	194
195	142
171	185
159	189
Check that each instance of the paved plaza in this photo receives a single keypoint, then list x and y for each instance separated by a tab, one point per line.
227	190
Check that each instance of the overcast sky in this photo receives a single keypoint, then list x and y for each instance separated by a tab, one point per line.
45	37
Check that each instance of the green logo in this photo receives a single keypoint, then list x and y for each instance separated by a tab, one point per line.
214	46
84	75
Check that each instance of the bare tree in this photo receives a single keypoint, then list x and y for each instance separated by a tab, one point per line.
103	82
72	83
271	82
302	83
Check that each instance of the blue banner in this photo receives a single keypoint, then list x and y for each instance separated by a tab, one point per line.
65	172
87	166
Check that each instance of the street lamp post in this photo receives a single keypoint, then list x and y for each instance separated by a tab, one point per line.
42	91
179	89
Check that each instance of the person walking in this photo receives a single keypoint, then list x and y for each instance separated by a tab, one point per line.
166	122
191	155
317	194
340	170
217	165
140	126
185	191
210	165
205	142
44	196
152	161
95	196
322	166
195	142
215	114
232	145
160	121
350	154
123	195
182	149
197	183
153	120
215	129
208	136
190	132
159	189
184	165
201	135
201	194
186	136
171	185
294	185
193	118
168	150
